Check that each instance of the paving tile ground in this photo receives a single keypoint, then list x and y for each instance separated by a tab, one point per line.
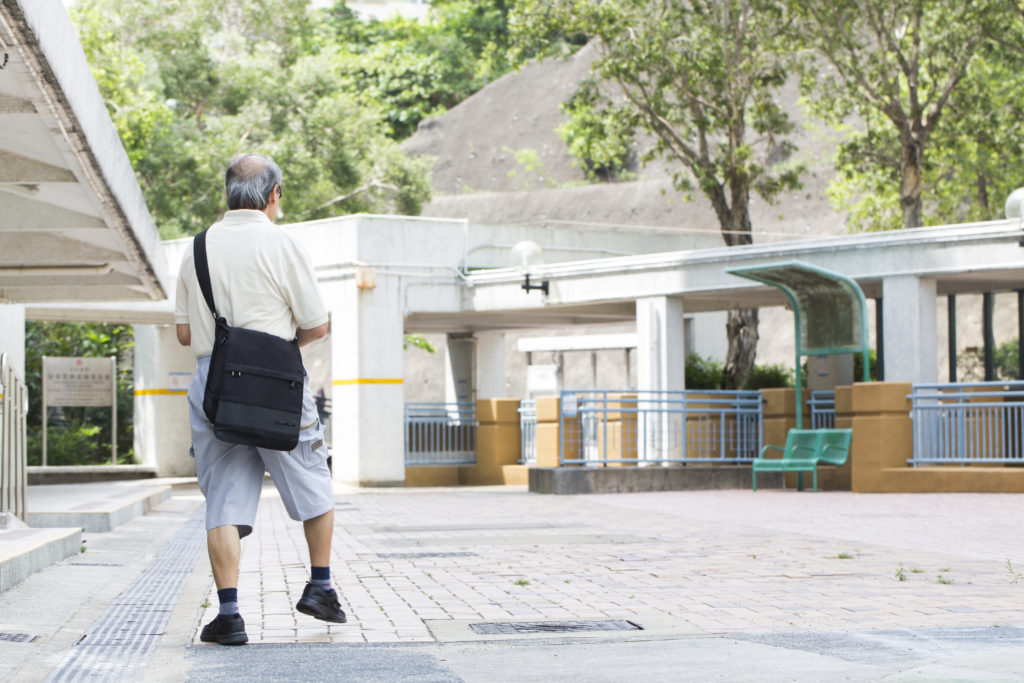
422	565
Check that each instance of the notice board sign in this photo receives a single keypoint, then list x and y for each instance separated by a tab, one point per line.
80	382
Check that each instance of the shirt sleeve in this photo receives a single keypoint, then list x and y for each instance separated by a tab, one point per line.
301	289
181	293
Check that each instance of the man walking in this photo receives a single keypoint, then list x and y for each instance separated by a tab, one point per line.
262	280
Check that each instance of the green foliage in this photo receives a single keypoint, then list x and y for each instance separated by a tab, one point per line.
858	366
701	77
600	136
191	83
930	96
418	341
769	377
703	373
79	435
971	363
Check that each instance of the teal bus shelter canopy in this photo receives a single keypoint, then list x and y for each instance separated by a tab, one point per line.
829	309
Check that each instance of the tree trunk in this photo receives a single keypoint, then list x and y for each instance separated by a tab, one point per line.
912	183
741	328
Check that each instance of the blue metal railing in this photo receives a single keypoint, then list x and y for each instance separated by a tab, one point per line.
823	409
528	431
964	423
630	427
440	434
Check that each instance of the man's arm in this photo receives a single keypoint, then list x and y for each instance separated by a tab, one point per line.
304	336
184	331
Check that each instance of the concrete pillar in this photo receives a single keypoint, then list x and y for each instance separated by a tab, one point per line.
661	352
490	365
368	422
458	368
660	366
909	329
12	336
163	369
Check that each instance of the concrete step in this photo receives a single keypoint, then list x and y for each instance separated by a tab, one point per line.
76	474
25	551
92	507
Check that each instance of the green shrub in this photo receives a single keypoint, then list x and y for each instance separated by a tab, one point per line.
703	373
769	377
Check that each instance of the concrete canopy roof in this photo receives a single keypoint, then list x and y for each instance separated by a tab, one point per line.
73	222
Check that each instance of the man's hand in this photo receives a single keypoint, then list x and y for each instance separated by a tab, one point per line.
306	336
184	334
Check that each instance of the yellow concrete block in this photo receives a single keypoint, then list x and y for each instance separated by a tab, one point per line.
499	443
547	408
880	397
447	475
844	400
497	410
777	402
547	445
516	475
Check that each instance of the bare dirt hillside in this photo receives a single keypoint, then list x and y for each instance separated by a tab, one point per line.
500	160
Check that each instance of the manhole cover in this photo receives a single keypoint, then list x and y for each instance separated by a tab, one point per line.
408	556
17	637
523	627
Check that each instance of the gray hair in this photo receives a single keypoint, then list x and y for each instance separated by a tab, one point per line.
249	180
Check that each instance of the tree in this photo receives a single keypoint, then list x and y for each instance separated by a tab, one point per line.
191	83
702	77
897	67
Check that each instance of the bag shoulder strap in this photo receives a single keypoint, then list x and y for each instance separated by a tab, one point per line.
203	270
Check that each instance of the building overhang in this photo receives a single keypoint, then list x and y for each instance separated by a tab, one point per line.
73	223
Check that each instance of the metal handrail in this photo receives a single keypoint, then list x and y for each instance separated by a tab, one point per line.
440	433
13	440
690	426
528	431
967	422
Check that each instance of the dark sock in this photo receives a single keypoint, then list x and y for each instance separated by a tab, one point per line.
320	576
228	600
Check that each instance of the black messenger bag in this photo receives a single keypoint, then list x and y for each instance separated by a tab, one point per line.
254	390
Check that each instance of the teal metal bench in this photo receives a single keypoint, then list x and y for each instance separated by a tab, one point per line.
805	450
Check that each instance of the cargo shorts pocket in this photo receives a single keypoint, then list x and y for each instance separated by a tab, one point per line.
312	453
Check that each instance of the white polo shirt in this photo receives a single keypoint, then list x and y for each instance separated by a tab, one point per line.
262	280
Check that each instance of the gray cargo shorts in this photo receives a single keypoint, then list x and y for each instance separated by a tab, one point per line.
231	475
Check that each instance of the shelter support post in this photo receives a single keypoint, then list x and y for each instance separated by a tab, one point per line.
12	336
162	435
660	366
988	305
458	368
367	424
490	365
951	335
909	315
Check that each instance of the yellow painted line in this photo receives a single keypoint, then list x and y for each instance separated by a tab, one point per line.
161	392
368	380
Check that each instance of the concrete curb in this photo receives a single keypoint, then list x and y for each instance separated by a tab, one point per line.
573	480
102	519
30	550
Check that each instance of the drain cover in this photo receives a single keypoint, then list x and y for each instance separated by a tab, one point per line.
523	627
17	637
413	556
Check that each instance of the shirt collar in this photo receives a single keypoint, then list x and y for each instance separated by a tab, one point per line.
245	215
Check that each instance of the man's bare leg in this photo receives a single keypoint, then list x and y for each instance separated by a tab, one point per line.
225	551
319	531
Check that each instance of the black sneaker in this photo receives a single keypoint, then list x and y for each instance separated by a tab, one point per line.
321	603
226	629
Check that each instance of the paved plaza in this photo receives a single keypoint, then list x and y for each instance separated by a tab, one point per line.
437	583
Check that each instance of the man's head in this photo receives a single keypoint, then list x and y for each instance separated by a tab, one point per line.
251	180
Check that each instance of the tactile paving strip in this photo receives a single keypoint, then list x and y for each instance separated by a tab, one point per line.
525	627
121	639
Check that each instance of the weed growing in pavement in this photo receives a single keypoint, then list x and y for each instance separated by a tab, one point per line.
844	556
945	569
521	582
1017	576
565	580
754	557
204	604
900	574
83	547
917	570
945	580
